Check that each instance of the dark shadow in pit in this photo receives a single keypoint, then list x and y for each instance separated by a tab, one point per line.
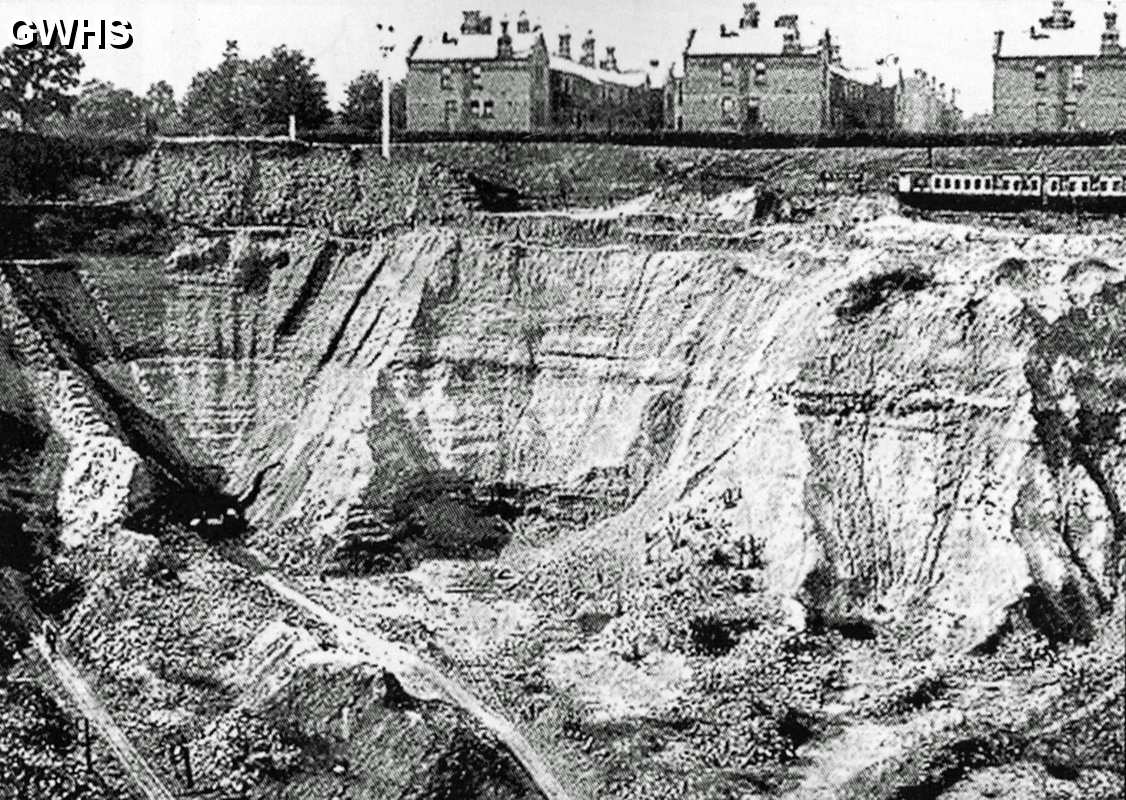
432	514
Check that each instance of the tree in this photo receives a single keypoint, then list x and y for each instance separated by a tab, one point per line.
160	108
363	106
240	97
219	100
105	110
285	83
35	81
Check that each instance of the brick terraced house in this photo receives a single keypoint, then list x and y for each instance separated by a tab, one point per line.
757	77
478	81
591	95
1065	73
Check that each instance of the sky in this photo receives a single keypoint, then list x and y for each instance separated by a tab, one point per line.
173	39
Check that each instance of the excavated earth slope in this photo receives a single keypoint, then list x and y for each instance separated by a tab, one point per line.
822	509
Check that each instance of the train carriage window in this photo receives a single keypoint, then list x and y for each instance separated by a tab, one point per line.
1035	184
1116	185
977	183
988	184
1054	186
1104	186
1084	185
957	183
1006	184
949	183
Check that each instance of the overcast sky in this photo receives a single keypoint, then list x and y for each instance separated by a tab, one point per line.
175	38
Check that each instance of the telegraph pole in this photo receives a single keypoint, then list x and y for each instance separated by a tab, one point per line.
386	46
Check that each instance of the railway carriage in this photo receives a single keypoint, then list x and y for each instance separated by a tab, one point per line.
1013	191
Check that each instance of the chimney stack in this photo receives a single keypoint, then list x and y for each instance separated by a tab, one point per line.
610	63
470	22
522	23
750	16
588	57
1060	19
998	40
1110	42
787	21
565	45
504	42
791	42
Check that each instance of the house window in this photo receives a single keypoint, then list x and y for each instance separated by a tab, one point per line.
451	109
475	74
1041	76
447	78
754	114
727	105
727	73
1069	115
487	113
760	72
475	107
1078	80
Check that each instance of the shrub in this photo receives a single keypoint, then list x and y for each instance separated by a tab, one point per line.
867	294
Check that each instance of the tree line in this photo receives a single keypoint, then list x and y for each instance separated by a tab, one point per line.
41	90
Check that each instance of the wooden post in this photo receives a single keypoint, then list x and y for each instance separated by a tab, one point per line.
187	756
89	754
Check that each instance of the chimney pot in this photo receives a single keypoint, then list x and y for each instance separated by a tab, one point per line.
522	24
998	40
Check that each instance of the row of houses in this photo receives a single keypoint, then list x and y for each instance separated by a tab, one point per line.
1063	72
755	76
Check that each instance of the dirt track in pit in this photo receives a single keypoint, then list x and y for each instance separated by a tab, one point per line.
421	680
76	687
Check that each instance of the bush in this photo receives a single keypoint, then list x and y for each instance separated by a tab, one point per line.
33	166
867	294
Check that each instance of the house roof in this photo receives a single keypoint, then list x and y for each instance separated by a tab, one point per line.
886	75
472	47
766	39
632	79
1035	41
